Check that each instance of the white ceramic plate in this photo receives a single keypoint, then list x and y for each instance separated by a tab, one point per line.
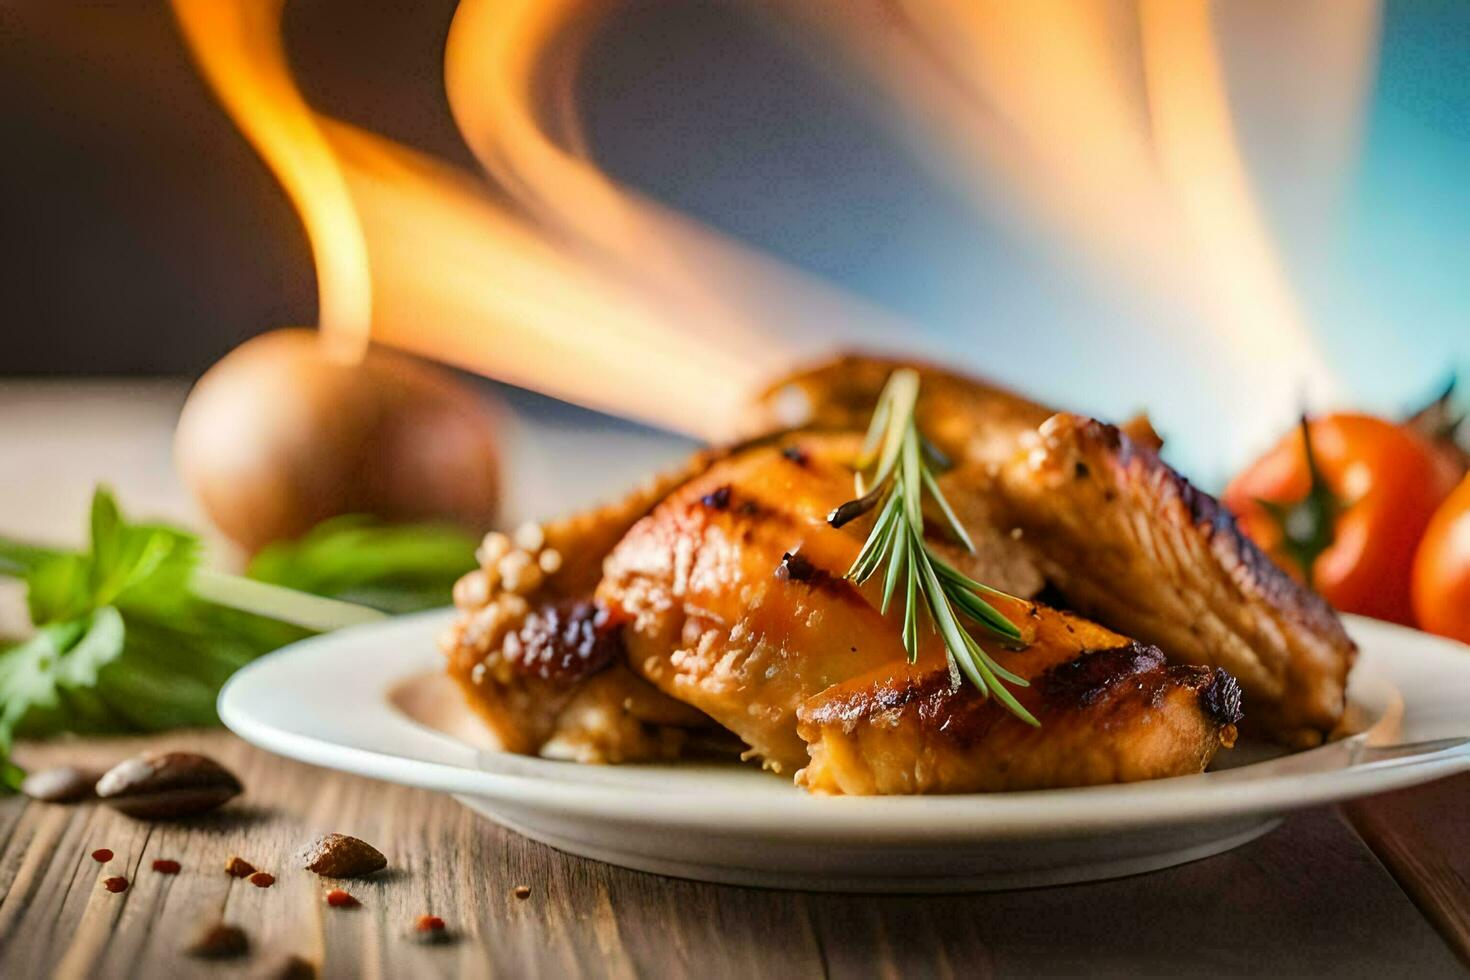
370	700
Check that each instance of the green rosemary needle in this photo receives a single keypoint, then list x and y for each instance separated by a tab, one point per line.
895	470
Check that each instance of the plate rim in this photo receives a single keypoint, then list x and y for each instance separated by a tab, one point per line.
802	816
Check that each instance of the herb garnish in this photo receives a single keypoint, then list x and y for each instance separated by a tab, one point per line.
134	635
895	471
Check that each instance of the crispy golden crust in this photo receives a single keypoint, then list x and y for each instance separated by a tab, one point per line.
1111	710
968	419
1130	542
537	660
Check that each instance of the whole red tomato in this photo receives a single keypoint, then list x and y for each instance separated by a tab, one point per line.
1341	504
1442	569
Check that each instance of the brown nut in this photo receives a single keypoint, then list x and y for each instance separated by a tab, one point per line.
61	784
296	968
340	856
218	941
170	784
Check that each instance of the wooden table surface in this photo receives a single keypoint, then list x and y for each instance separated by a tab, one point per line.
1377	888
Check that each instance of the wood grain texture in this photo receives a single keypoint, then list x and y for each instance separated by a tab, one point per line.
1421	835
1307	899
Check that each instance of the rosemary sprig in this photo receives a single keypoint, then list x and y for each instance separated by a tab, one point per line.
894	472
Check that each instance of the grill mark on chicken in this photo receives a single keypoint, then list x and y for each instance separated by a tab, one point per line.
795	568
1083	681
795	454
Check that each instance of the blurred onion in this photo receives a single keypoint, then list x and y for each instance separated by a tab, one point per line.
278	436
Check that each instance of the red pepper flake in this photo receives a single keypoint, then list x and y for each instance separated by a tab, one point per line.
523	891
262	880
102	855
338	899
115	885
237	867
429	923
166	867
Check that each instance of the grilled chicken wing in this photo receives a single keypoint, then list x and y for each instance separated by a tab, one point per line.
1131	543
732	600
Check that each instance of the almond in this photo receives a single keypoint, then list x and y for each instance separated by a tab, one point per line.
165	785
340	856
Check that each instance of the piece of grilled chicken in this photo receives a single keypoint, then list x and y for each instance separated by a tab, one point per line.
1115	712
732	599
536	658
1117	533
725	591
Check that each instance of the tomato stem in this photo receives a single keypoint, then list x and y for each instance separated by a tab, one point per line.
1308	526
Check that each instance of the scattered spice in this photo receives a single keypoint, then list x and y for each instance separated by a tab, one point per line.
262	880
429	930
338	899
218	941
102	855
238	867
523	891
60	784
340	856
167	867
165	785
116	884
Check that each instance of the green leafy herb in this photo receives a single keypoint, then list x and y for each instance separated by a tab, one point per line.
397	568
894	474
133	635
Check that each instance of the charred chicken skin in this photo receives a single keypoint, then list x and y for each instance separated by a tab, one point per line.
1115	712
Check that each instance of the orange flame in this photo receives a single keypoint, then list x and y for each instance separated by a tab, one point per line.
1112	122
578	305
238	46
